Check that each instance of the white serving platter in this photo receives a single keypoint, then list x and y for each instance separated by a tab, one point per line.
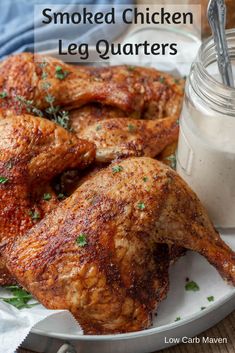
49	335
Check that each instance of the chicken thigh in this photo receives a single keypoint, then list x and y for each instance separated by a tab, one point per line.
123	137
33	151
95	255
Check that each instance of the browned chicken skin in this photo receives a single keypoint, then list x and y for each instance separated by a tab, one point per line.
159	94
125	91
33	151
123	137
93	113
94	254
142	91
98	253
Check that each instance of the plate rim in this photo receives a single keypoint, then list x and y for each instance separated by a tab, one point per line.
138	334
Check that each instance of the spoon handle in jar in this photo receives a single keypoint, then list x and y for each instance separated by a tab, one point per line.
217	20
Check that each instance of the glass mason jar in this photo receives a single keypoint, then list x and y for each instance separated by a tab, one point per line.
206	150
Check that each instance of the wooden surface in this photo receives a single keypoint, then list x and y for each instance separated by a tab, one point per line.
225	329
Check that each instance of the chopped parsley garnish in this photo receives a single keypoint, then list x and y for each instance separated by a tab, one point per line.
3	180
35	215
60	196
60	73
131	68
211	298
192	286
117	169
141	206
3	94
172	160
178	318
98	127
81	239
162	79
203	307
47	196
145	179
131	127
177	80
19	299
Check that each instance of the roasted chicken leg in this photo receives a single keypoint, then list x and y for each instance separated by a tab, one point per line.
94	254
33	151
123	137
34	78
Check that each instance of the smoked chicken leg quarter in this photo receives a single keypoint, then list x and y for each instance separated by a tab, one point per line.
33	151
99	253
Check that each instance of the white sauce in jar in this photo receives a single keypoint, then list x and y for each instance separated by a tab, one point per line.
207	164
206	156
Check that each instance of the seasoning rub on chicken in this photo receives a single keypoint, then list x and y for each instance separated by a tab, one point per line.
104	252
33	151
97	254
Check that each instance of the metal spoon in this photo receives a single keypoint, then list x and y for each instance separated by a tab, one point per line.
217	19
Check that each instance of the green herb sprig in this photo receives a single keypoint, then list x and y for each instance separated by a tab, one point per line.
19	298
54	112
29	106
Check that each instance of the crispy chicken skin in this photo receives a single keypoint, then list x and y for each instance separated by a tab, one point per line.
92	113
113	282
22	75
33	151
146	91
44	146
123	137
160	94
